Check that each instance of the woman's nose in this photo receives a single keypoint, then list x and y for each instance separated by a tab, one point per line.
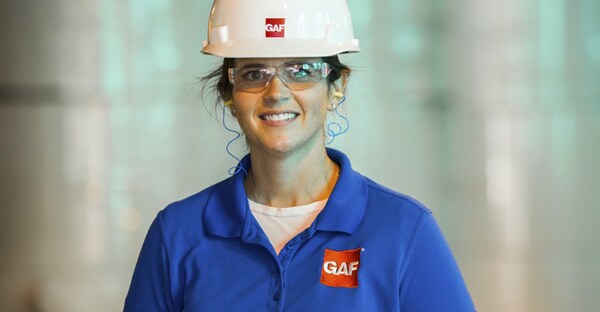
276	91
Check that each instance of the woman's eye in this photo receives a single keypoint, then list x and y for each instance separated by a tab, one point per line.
301	71
253	74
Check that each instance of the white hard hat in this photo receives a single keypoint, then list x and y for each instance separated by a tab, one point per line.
279	28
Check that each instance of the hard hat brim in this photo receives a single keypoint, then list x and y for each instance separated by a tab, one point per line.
277	48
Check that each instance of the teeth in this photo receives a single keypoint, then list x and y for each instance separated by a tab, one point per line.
278	117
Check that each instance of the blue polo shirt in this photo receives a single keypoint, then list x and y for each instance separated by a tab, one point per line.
370	249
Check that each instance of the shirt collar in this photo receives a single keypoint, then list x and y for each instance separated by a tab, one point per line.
227	213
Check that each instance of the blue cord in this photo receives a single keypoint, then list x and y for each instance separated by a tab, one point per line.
334	129
237	168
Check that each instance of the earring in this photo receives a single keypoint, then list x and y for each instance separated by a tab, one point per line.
338	94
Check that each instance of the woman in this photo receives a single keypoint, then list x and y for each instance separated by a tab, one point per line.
295	228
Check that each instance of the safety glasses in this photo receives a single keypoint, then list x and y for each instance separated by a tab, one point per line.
296	76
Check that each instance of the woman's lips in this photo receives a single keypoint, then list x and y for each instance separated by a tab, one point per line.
278	117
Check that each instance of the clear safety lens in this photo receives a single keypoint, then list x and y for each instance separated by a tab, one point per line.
295	76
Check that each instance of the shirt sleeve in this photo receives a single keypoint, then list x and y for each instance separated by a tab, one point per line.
431	278
150	285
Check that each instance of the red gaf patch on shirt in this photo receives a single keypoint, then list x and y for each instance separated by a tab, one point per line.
275	27
340	268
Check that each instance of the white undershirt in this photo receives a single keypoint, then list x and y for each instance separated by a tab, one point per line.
282	224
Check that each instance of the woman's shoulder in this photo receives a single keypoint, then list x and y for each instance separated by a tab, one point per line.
383	196
190	207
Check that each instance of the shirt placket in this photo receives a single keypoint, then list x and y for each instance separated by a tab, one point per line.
279	285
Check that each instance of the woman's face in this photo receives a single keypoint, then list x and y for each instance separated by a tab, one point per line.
278	119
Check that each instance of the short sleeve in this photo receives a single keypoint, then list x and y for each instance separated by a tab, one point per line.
431	278
150	285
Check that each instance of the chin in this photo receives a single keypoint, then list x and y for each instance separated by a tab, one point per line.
282	147
283	144
287	146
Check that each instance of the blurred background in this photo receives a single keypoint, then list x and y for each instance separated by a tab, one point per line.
486	111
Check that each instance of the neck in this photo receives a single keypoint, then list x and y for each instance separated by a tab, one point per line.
291	180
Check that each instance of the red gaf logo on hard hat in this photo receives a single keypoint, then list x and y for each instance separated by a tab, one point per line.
340	268
275	27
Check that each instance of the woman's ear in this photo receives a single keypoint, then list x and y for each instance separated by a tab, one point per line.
338	89
339	86
229	104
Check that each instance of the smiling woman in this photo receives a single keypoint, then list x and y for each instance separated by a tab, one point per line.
296	228
281	106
